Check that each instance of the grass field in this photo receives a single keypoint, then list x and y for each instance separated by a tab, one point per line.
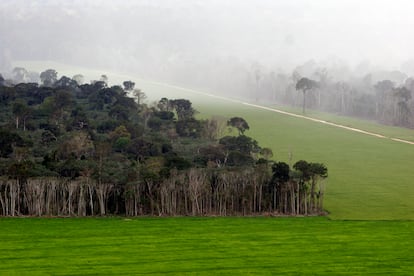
371	126
205	246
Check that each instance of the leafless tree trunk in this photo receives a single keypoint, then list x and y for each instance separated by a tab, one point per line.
35	196
196	179
13	194
102	192
81	200
2	195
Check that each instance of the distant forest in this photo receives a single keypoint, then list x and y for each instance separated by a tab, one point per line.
73	149
384	96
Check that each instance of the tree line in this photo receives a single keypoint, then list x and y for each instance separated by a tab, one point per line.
69	148
363	91
385	98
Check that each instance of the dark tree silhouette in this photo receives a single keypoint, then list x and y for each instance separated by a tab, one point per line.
183	108
48	77
65	82
403	95
238	123
305	84
129	85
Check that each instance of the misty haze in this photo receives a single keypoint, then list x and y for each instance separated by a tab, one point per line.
237	48
207	137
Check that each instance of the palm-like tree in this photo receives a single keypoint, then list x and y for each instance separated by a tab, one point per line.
305	84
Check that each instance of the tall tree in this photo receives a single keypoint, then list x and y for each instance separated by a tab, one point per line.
304	174
304	85
21	112
279	179
104	78
383	89
20	74
48	77
79	78
316	170
129	85
343	89
238	123
164	104
183	108
403	95
65	82
139	96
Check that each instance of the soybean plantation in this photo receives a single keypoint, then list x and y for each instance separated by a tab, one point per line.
260	245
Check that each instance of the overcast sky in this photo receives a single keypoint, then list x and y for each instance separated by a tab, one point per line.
273	32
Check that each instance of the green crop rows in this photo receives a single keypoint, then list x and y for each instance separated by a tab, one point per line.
261	245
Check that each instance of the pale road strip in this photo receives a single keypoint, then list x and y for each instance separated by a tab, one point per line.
291	114
402	141
329	123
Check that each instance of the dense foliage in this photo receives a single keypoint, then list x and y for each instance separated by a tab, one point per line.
69	148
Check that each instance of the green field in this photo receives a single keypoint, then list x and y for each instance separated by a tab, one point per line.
371	126
207	246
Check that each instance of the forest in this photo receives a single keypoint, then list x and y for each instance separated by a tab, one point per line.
384	97
69	148
366	92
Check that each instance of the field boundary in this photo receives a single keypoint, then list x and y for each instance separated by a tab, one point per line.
330	123
358	130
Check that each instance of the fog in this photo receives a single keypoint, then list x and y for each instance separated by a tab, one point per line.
196	41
